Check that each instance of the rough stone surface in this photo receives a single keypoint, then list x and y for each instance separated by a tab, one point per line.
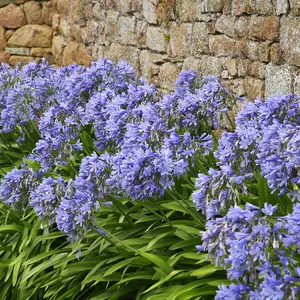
222	45
297	84
295	7
167	75
240	7
58	44
14	60
156	39
210	65
276	53
48	12
2	39
33	12
9	33
189	10
40	51
290	40
257	69
241	26
32	36
12	16
18	51
212	5
200	38
149	11
264	28
82	56
243	67
225	24
64	27
282	7
231	65
254	87
111	25
264	7
191	63
179	38
127	34
69	53
279	79
4	57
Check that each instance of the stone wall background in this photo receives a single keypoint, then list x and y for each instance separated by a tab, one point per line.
253	45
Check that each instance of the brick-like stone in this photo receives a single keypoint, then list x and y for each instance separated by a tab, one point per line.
257	69
98	11
22	51
263	51
241	26
179	39
2	39
243	67
222	45
12	16
200	38
252	49
127	6
191	63
76	10
264	7
9	33
276	53
150	62
14	60
231	66
156	39
127	32
297	84
56	21
32	36
40	51
254	88
225	24
295	7
47	13
264	28
82	57
111	25
149	11
62	7
117	52
33	12
189	10
141	31
168	75
69	53
212	5
279	79
4	57
64	27
282	7
210	65
290	39
237	87
58	44
241	7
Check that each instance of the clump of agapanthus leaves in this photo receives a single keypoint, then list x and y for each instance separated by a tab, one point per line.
105	133
255	241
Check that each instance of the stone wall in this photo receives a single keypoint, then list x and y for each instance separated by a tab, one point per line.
25	31
253	45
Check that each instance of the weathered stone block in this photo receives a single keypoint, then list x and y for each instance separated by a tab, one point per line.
212	5
77	10
243	67
179	38
12	16
149	11
18	51
14	60
156	39
264	7
231	66
200	38
32	36
237	87
69	53
111	25
33	12
117	52
297	84
82	57
127	33
4	57
225	24
241	26
264	28
99	12
295	7
257	69
279	79
189	10
191	63
2	39
222	45
290	39
252	49
9	33
40	51
240	7
127	6
282	7
254	88
168	75
149	63
64	27
58	44
210	65
47	13
276	53
141	31
263	51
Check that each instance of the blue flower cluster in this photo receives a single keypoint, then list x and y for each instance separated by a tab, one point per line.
139	141
256	245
